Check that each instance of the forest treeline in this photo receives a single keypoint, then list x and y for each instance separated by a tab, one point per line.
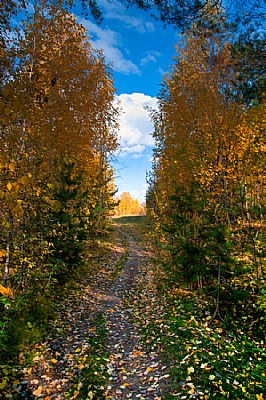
58	134
206	196
127	205
206	212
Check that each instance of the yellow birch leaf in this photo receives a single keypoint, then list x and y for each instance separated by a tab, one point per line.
11	167
18	210
3	383
9	186
51	186
7	292
2	254
149	369
38	391
53	360
24	180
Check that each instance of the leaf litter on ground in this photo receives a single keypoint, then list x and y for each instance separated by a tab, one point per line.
75	361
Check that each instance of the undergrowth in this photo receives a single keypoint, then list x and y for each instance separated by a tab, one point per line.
28	320
208	358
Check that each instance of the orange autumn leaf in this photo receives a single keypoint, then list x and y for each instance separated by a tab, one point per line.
2	254
148	369
7	292
38	391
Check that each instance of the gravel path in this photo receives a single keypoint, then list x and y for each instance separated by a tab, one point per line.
135	372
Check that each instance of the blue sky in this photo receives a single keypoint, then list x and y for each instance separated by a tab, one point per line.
140	51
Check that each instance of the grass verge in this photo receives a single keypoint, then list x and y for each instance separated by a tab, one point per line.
134	226
208	359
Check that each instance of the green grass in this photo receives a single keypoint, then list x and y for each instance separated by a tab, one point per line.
207	359
134	225
131	219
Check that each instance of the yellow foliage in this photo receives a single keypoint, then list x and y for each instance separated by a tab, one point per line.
2	254
7	292
60	107
12	167
24	180
128	205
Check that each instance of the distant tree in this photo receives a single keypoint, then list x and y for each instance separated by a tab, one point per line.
127	205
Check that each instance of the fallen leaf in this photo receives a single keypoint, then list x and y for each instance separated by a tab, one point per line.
190	370
148	369
38	391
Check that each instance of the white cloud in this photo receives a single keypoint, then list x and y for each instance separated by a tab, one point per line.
136	23
161	71
135	124
135	150
117	11
108	41
119	63
150	57
147	59
139	194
